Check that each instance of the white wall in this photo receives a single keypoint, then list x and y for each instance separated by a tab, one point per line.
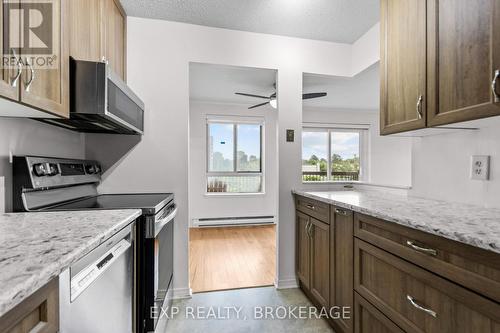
158	58
30	137
202	205
442	166
389	158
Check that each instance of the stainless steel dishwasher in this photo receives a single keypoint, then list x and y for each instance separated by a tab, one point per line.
97	292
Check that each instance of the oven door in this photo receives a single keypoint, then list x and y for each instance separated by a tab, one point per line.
163	265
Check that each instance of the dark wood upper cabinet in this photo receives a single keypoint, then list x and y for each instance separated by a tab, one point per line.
341	266
463	52
402	65
320	262
439	62
303	262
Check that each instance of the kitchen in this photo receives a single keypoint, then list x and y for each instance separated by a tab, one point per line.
427	187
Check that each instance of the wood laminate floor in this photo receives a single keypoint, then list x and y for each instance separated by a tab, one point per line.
232	257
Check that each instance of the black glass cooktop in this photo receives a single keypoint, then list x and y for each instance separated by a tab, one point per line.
149	203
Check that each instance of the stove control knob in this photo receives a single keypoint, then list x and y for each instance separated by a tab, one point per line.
97	168
53	170
40	169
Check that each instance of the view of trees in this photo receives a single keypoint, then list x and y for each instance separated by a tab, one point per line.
245	162
338	165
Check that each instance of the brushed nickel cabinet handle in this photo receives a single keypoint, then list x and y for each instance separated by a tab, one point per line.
311	206
419	107
309	232
15	79
494	86
421	249
340	211
420	307
32	78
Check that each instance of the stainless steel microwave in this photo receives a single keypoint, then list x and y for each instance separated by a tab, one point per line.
101	102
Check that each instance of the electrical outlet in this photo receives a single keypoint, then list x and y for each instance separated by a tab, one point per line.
480	167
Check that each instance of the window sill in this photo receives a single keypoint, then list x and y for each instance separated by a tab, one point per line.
338	182
225	195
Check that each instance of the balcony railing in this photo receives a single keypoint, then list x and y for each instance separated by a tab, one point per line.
322	176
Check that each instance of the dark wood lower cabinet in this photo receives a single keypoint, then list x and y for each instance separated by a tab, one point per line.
320	262
303	262
38	313
370	320
341	266
417	300
393	278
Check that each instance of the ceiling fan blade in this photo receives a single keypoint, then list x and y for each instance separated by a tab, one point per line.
256	106
250	95
314	95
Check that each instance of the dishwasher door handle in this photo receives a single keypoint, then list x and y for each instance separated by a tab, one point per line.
91	273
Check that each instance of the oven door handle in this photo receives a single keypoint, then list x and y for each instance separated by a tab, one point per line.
164	221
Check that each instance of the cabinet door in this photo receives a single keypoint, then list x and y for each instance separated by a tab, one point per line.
402	65
116	37
9	75
463	55
44	88
341	265
303	249
320	262
87	28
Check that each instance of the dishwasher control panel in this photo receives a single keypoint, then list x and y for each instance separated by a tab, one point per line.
91	273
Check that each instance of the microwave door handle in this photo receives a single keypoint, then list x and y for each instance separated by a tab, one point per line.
162	222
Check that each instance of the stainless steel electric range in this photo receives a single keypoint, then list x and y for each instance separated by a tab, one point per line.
55	184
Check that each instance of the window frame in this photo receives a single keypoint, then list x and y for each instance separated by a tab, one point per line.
363	151
234	121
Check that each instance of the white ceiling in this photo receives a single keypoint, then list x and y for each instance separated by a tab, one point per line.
342	21
359	92
217	84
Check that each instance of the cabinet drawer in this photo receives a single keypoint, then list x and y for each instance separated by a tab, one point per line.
417	300
316	209
371	320
469	266
38	313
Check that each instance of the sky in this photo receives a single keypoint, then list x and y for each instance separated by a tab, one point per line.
345	144
248	139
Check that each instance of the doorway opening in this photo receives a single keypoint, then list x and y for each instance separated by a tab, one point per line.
233	177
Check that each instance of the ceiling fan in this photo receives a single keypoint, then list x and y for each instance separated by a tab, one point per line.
271	99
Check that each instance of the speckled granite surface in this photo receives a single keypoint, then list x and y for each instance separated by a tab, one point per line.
35	247
469	224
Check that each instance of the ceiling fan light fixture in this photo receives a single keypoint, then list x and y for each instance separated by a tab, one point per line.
274	103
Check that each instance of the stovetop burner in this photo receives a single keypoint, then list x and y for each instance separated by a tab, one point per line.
150	203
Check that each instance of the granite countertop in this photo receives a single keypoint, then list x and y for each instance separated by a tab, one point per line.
36	247
469	224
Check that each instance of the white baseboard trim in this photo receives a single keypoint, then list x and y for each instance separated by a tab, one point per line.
182	293
286	283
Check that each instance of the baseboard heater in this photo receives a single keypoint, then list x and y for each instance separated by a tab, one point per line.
233	221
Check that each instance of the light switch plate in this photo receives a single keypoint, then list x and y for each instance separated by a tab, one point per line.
480	167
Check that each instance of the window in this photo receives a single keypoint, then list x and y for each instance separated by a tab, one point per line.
332	154
234	157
